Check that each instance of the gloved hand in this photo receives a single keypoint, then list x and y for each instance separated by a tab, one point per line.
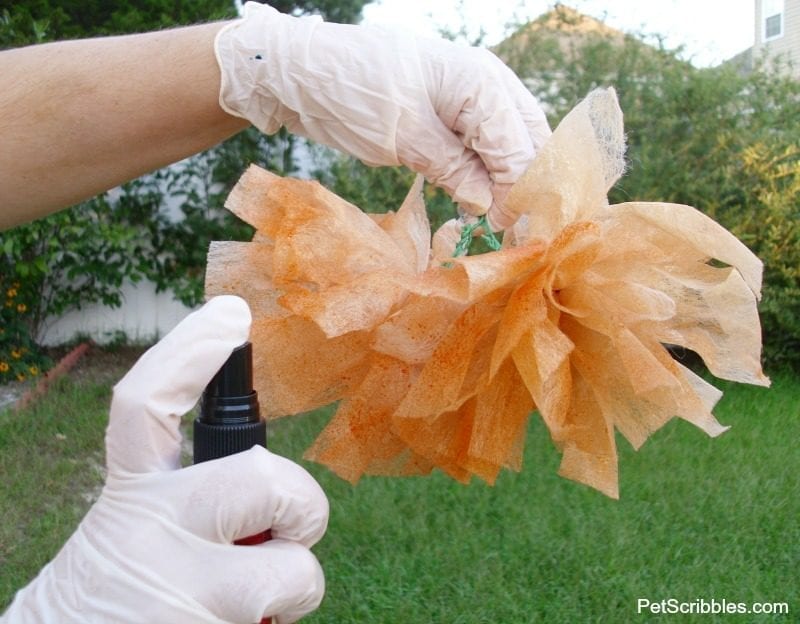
457	115
156	548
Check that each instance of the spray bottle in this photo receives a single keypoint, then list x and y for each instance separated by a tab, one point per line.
230	419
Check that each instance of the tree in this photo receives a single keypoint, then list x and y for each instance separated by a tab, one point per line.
33	21
340	11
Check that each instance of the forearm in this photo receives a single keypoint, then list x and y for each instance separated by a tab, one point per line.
80	117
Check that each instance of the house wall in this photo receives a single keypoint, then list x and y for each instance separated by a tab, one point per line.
786	46
143	317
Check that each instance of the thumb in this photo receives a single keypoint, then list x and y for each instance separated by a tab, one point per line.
500	216
143	431
445	240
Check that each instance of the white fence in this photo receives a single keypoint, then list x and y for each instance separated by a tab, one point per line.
143	318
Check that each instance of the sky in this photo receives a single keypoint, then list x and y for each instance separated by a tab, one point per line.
710	30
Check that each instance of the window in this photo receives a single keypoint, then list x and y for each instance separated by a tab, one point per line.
772	16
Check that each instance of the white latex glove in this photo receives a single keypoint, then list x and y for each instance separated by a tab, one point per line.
455	114
156	548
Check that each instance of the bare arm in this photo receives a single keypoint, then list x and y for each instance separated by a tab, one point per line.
77	118
80	117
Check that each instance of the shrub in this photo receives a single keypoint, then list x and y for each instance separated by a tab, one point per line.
19	357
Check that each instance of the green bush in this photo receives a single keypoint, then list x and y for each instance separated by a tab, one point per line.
770	225
69	259
380	189
20	359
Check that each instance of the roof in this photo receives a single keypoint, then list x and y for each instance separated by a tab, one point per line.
566	24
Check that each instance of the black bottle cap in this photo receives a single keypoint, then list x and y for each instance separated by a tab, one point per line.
229	420
229	397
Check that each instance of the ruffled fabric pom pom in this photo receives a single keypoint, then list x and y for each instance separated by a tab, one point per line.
438	362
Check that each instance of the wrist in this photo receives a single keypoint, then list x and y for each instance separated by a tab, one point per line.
348	87
251	53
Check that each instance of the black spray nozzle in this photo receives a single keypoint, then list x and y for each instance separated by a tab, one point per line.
235	378
229	420
229	397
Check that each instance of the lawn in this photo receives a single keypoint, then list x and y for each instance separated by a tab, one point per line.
698	518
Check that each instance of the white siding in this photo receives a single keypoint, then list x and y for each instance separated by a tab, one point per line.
144	317
786	46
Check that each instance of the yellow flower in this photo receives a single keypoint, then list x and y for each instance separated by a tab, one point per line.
21	307
4	367
11	293
20	376
16	354
9	303
34	370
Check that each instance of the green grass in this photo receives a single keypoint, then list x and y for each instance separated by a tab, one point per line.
698	518
51	456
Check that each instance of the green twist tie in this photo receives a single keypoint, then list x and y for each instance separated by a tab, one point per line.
468	234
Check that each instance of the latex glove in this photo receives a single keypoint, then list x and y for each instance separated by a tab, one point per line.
156	548
455	114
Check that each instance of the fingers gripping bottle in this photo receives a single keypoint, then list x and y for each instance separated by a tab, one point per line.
230	419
